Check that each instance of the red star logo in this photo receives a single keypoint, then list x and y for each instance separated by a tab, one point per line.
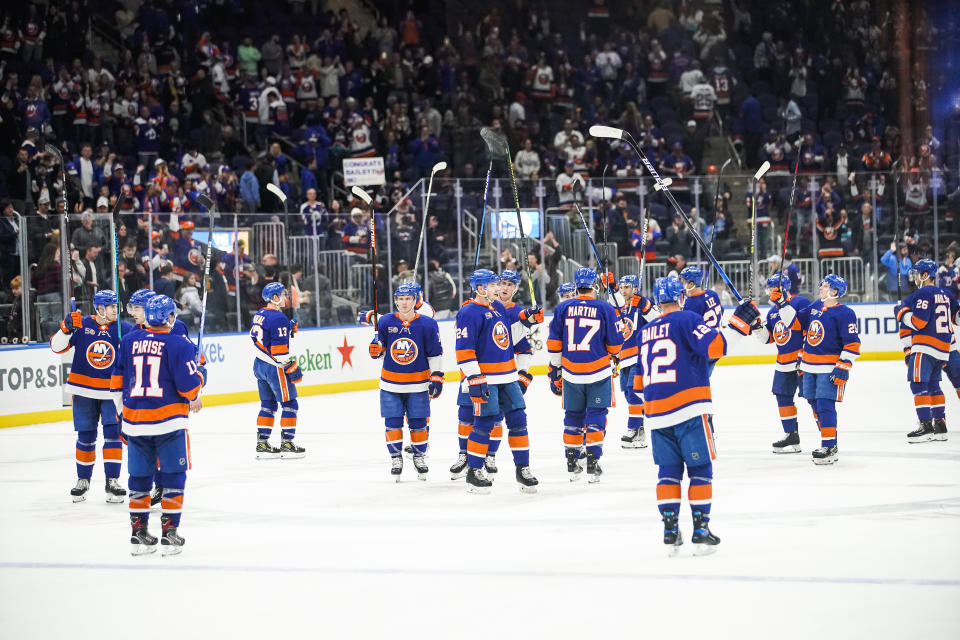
345	352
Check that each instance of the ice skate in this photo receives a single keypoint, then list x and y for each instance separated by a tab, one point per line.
825	455
115	493
156	496
528	483
671	533
939	429
490	465
265	450
704	542
789	444
396	467
923	433
421	466
79	492
593	468
290	449
574	468
170	541
634	439
408	451
477	481
141	541
459	468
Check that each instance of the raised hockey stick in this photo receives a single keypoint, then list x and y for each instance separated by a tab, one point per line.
786	231
440	166
66	261
363	195
753	224
596	255
483	215
896	231
205	200
497	141
116	259
716	196
277	191
602	131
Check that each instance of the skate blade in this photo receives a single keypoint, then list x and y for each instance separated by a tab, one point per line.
268	456
940	437
825	461
79	498
919	439
632	445
142	549
171	550
422	476
478	490
792	448
673	550
704	549
111	499
526	489
574	477
292	456
458	476
593	479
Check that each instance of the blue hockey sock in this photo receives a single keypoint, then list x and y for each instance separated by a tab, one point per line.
394	436
112	450
419	434
700	492
788	412
496	435
921	400
668	488
827	410
86	453
518	437
479	440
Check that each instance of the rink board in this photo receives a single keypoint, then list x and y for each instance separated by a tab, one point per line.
333	360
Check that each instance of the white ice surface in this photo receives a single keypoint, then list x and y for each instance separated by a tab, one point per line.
330	546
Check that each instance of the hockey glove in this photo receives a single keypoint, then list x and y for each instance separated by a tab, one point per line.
365	318
899	311
777	298
841	373
556	380
436	384
376	348
202	370
294	326
72	322
615	366
531	316
292	371
746	317
524	379
479	391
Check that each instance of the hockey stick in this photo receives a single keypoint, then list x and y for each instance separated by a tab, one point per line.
596	255
753	224
205	200
440	166
66	259
363	195
786	231
643	249
713	232
896	231
116	258
601	131
275	190
483	215
494	141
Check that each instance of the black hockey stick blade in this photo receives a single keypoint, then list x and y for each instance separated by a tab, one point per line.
205	200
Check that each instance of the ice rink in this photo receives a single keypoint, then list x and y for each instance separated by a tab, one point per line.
330	546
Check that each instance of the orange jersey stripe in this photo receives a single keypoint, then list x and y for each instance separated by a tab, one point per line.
415	376
787	358
677	400
717	348
585	367
554	345
628	352
466	354
498	367
813	358
279	349
931	341
178	410
87	381
614	349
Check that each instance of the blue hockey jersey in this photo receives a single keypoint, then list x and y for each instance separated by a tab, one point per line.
928	313
672	370
522	351
707	305
584	333
94	356
411	352
788	338
485	343
831	335
635	316
270	334
155	377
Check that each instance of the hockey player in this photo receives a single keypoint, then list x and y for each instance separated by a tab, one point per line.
157	384
566	291
94	340
276	374
584	335
831	344
704	302
520	320
673	373
928	314
424	308
636	312
411	376
789	340
489	386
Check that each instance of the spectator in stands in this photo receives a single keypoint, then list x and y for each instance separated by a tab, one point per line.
250	188
948	275
679	238
165	284
356	236
897	259
862	230
188	296
527	162
93	276
443	290
567	182
47	282
751	118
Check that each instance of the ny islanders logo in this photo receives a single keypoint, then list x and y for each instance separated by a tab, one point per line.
815	333
100	354
781	334
501	337
403	351
627	328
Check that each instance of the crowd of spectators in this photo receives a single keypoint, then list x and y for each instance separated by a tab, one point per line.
222	99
